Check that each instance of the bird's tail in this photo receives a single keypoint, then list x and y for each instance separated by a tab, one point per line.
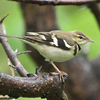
4	35
24	39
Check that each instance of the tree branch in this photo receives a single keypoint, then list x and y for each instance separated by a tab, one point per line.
46	85
11	54
58	2
96	11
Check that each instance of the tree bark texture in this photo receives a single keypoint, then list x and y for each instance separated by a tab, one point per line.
45	86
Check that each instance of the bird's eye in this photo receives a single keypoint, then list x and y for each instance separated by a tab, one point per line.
80	37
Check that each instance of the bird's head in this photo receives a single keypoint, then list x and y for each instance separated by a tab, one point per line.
80	37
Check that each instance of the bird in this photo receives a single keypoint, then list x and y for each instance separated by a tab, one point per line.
56	45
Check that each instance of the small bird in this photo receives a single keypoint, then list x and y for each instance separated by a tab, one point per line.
56	46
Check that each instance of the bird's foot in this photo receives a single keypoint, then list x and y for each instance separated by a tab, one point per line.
62	74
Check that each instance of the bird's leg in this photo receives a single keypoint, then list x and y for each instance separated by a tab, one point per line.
61	75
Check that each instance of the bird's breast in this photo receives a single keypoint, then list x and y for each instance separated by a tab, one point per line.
55	54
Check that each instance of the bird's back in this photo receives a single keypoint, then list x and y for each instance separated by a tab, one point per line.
53	45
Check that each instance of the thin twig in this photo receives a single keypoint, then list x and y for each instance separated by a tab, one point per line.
1	20
11	69
24	52
11	54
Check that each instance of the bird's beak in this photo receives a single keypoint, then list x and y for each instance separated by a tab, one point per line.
91	40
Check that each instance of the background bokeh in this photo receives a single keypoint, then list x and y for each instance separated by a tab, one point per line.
68	18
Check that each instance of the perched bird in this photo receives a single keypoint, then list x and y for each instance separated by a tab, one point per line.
56	46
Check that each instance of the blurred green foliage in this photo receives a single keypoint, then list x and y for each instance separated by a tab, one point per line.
68	17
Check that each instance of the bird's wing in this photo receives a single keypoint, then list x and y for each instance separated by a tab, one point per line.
54	38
